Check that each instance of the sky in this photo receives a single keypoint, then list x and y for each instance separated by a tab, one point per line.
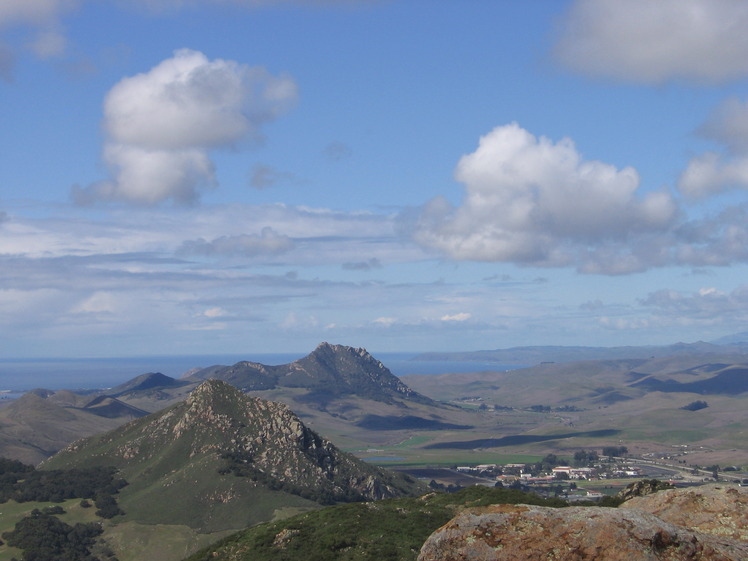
251	176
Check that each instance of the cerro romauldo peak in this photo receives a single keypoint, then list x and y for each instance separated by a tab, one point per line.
222	459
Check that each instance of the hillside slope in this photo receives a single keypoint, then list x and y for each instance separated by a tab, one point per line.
222	459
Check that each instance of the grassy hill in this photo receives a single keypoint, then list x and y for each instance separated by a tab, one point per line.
223	460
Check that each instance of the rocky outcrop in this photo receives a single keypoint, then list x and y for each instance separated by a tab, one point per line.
714	509
643	487
534	533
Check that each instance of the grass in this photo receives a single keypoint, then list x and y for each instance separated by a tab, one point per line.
133	541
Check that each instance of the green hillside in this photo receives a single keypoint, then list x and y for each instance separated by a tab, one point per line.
392	530
224	460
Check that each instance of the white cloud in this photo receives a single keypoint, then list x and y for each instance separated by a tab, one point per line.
385	321
711	172
215	312
529	200
462	316
162	124
267	242
655	41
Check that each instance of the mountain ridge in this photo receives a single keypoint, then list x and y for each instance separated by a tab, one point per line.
335	370
227	447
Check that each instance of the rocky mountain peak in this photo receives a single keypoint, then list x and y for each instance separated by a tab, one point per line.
329	370
344	369
219	430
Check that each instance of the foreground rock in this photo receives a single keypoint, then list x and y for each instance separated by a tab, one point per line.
714	509
534	533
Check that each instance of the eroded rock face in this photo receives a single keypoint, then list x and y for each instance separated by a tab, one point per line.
714	509
534	533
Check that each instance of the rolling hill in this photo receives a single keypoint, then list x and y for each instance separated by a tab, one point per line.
224	460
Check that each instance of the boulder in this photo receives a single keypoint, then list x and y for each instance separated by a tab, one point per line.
716	509
535	533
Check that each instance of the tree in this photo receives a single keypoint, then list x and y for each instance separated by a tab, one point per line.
615	451
696	405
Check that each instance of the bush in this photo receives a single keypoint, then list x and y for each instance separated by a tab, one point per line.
696	405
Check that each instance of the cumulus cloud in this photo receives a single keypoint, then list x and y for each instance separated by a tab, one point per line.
712	172
267	242
162	124
530	200
653	42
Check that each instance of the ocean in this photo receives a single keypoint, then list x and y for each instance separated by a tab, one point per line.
20	375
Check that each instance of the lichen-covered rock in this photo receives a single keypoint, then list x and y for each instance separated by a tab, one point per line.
642	488
534	533
716	509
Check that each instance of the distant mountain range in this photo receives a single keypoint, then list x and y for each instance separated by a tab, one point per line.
351	398
530	355
334	386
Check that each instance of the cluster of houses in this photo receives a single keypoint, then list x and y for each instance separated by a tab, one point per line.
510	473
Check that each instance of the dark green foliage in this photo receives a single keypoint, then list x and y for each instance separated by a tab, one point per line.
540	408
43	537
615	451
696	405
390	530
610	501
22	484
107	506
585	457
56	509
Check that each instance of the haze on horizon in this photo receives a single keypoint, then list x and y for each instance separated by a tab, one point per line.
256	176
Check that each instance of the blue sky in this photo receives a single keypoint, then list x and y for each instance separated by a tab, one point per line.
230	176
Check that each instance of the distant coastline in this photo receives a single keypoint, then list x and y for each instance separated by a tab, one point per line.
25	374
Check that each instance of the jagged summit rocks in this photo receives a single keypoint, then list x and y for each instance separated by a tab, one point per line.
221	451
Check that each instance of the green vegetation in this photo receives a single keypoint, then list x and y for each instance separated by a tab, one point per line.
44	537
390	530
40	534
22	483
696	405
